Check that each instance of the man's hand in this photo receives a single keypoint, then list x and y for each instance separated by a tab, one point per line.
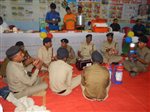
37	63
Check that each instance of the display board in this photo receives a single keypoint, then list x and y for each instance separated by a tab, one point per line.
34	10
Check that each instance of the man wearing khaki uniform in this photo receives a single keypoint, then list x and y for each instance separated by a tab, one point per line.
110	50
95	79
45	53
60	74
72	58
19	82
141	58
86	48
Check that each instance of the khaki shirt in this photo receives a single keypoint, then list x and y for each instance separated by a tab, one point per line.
17	77
95	79
144	54
60	75
3	67
45	55
107	45
86	50
72	57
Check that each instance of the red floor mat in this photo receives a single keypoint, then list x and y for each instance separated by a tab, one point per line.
131	96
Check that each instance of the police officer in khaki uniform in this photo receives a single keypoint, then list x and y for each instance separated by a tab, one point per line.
19	82
95	79
86	48
26	61
138	62
110	50
45	53
72	58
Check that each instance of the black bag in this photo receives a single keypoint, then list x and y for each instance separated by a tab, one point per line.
80	64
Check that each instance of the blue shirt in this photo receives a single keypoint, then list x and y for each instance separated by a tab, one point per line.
50	16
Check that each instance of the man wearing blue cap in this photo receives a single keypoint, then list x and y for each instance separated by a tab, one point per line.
95	79
45	53
60	74
141	58
19	82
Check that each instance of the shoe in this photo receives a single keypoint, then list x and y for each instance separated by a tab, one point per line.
133	74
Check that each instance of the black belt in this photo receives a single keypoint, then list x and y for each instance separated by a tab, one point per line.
15	92
61	91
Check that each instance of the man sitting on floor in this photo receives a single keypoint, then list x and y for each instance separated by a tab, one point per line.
60	74
45	53
95	79
138	62
19	82
86	48
27	61
110	50
72	58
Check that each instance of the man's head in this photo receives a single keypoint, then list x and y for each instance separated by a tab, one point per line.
47	42
20	44
138	21
53	6
64	42
88	38
14	53
62	53
68	10
115	20
97	57
79	9
142	41
109	37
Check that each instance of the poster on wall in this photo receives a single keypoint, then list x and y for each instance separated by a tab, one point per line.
21	12
104	11
115	10
3	10
129	11
90	9
88	0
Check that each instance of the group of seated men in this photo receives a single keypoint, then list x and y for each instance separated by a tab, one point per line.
21	72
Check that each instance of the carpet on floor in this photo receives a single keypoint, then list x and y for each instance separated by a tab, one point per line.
133	95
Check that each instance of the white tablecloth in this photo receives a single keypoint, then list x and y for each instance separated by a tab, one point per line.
33	41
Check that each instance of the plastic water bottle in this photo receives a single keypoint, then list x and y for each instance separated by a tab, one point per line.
1	108
118	74
109	67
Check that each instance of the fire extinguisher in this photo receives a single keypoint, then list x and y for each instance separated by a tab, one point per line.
118	74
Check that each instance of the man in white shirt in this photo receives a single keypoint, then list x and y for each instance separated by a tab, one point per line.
60	74
45	53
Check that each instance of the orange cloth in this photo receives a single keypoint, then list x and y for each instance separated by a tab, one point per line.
69	21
